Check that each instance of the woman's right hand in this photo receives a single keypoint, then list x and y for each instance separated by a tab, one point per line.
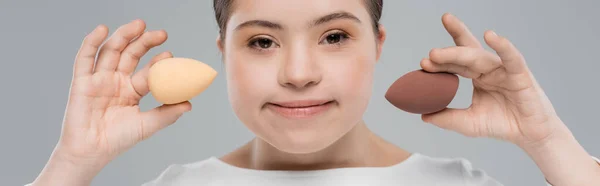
103	117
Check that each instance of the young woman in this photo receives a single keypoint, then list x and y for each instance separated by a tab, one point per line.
300	76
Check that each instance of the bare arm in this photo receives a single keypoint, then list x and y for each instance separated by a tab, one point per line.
563	161
62	169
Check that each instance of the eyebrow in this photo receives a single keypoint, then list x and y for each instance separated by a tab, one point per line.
259	23
322	20
335	16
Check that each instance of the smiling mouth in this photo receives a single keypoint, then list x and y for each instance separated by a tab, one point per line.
300	109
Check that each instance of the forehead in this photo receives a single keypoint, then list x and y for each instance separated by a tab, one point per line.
293	13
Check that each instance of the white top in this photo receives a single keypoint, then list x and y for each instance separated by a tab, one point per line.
418	170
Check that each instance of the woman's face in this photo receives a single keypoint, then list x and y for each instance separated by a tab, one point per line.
300	73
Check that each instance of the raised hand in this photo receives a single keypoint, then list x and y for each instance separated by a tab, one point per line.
507	102
103	118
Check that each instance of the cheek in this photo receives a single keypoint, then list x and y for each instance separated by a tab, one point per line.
248	81
355	79
351	74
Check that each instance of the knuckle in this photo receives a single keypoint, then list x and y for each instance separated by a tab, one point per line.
468	56
134	55
113	43
147	43
147	40
90	41
111	48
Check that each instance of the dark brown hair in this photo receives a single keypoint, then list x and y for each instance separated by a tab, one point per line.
223	9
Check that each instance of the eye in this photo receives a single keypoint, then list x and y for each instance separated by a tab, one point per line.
337	37
261	43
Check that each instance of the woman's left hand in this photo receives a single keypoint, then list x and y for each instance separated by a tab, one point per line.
508	103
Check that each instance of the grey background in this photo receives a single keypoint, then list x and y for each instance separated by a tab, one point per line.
38	42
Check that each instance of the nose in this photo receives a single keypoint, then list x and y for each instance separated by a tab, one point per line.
299	69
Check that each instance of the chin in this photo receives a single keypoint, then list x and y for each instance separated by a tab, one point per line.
301	136
304	141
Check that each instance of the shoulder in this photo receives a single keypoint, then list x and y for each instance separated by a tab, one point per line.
184	174
458	169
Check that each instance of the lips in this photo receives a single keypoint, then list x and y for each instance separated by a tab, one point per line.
300	109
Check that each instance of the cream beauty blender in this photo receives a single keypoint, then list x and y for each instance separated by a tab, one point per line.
175	80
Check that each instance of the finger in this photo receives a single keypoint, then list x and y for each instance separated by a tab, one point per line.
138	48
476	59
86	56
162	116
512	59
140	79
108	57
458	120
463	71
459	31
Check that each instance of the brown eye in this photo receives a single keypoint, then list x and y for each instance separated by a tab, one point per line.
261	43
264	43
336	38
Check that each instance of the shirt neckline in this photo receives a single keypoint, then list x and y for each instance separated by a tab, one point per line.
311	173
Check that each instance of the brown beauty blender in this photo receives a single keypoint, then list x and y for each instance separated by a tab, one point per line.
422	92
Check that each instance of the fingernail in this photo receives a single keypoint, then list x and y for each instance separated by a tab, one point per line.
494	33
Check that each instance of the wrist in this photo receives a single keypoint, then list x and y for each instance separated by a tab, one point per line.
66	169
558	133
561	158
76	160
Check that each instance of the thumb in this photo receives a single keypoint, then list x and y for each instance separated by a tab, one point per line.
163	116
458	120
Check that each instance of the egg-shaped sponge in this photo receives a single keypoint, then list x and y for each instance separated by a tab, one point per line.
422	92
175	80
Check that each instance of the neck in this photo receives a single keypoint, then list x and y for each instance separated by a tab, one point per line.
360	147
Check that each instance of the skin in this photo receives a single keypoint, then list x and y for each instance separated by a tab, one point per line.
301	63
103	118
